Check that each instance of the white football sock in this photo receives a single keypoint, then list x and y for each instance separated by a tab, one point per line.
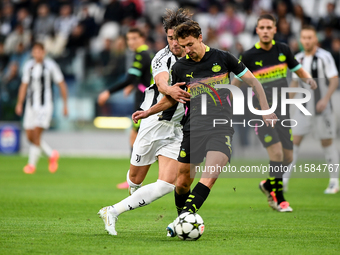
46	148
332	157
143	196
133	186
286	175
33	154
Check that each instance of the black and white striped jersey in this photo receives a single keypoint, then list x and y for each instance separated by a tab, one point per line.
39	77
162	62
321	66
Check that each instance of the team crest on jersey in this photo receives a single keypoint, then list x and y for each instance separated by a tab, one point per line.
282	57
216	68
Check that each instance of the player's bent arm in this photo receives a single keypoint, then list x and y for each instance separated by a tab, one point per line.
63	92
323	102
161	81
294	84
250	79
175	92
105	95
306	77
21	98
236	82
165	103
333	85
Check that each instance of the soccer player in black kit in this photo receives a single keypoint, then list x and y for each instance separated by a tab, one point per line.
269	60
139	75
202	69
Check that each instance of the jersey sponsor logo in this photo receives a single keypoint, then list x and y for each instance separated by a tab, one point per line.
216	68
190	75
282	57
258	63
272	73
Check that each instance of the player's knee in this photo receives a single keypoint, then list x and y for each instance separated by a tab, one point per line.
287	159
277	154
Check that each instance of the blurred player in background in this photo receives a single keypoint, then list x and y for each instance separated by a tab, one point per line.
320	64
269	60
159	137
38	75
139	75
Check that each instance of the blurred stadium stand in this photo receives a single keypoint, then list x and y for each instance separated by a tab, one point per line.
86	38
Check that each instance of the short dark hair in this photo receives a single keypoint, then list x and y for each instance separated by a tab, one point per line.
266	16
137	30
173	18
188	28
309	27
38	44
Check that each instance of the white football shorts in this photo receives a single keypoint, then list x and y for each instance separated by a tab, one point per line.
322	126
37	117
156	138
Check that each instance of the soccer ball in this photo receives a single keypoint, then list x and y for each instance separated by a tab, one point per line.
189	226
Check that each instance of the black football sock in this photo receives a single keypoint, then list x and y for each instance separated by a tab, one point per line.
196	199
276	173
180	201
270	182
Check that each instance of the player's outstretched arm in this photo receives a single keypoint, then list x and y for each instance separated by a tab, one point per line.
306	77
165	103
21	98
63	92
250	79
323	102
175	91
105	95
293	84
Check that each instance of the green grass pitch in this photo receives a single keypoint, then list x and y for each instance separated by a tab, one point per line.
57	214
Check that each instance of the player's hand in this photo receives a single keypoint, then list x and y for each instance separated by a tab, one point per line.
321	105
65	111
179	94
103	97
270	119
18	109
127	90
139	115
311	83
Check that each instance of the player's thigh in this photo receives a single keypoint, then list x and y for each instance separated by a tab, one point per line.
133	135
37	132
137	174
326	142
215	161
168	168
30	134
297	139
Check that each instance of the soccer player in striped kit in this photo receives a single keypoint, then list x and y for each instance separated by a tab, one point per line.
38	75
320	64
